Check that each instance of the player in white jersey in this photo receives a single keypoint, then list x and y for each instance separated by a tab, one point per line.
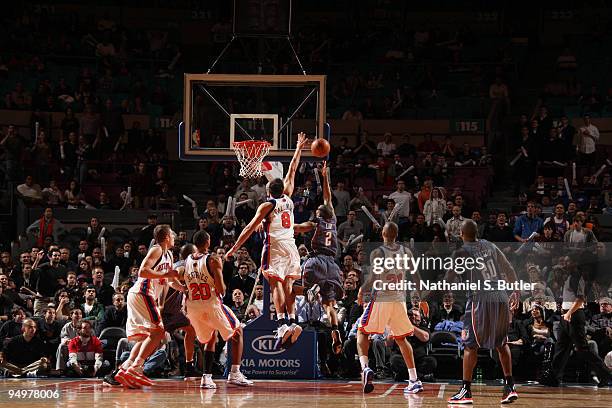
280	261
387	309
144	324
205	309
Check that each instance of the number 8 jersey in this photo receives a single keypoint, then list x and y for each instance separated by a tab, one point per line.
280	258
280	226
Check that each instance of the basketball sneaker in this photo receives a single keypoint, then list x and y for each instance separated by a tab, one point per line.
464	396
509	395
413	387
109	380
605	382
296	330
125	379
281	335
313	293
207	382
137	373
238	378
367	377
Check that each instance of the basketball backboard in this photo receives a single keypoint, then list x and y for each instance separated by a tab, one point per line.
220	109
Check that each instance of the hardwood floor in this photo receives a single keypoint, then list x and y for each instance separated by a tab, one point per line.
278	394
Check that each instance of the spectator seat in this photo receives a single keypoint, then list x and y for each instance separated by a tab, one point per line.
444	343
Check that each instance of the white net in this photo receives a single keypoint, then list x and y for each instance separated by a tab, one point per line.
250	154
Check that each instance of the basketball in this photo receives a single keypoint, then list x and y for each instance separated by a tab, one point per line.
320	147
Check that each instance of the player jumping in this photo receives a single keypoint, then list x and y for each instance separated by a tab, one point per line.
280	260
387	309
204	279
320	269
487	313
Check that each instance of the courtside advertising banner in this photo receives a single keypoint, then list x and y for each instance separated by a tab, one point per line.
260	358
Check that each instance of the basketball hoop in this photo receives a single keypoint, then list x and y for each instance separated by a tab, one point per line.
250	154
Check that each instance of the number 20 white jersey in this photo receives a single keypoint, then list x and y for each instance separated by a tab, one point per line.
200	282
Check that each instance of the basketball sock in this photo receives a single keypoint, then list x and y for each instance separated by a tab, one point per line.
363	360
509	381
235	368
291	318
209	359
280	318
334	327
467	385
412	374
139	362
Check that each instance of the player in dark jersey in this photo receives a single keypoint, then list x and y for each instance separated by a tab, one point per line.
174	318
320	269
487	312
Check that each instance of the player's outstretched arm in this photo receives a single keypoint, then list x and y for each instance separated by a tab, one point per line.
304	227
295	162
148	263
327	194
216	269
262	211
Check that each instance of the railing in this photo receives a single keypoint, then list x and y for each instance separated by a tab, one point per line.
78	217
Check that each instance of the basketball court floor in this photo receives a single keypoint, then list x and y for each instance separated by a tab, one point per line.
278	394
